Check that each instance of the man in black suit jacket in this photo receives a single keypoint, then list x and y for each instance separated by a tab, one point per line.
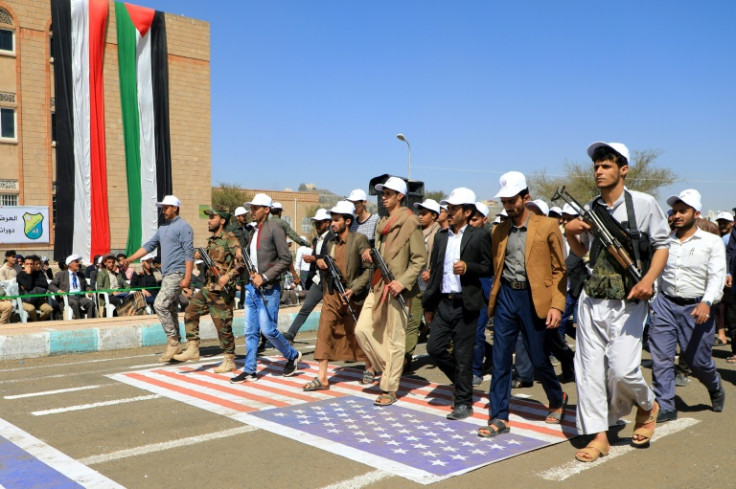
454	296
72	280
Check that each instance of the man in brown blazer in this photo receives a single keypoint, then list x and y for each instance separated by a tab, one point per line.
336	333
528	295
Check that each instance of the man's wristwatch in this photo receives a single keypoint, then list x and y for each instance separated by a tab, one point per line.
709	303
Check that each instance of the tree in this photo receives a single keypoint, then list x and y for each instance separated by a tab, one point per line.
644	175
228	196
436	195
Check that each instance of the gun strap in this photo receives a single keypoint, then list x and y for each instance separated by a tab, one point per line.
633	230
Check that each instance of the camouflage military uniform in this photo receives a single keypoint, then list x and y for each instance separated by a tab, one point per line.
212	299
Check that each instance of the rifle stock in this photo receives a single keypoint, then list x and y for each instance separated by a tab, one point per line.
251	269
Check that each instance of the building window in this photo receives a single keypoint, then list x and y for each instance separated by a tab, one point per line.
306	225
287	219
7	38
6	200
7	123
53	128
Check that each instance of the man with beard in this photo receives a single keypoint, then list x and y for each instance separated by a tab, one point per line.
691	282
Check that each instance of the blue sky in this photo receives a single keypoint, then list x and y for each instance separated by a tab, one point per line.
316	91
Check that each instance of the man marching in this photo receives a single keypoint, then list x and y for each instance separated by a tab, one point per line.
691	282
224	249
336	333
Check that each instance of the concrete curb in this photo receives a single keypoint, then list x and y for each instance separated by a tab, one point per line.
90	335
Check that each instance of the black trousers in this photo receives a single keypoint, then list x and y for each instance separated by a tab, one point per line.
452	322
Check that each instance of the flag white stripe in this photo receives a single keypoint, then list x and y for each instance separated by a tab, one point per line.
82	238
149	211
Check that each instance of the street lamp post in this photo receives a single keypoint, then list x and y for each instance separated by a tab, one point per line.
401	137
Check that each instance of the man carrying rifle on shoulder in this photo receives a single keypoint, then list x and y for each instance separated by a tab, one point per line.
381	328
345	280
224	257
613	305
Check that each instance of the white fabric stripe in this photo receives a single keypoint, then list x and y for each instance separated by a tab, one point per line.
82	238
149	211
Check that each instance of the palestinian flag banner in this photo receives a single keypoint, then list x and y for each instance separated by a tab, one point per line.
82	220
144	99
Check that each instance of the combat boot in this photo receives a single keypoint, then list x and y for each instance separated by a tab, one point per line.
173	347
191	353
227	365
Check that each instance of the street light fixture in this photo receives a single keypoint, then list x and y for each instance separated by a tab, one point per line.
401	137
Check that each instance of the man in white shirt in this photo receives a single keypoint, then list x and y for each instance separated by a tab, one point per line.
691	282
300	264
365	222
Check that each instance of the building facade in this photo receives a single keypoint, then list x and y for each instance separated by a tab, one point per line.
27	104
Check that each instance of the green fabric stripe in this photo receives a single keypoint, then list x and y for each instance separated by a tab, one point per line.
131	125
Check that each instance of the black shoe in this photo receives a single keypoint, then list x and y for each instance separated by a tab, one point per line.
292	365
461	411
521	384
666	415
718	398
244	377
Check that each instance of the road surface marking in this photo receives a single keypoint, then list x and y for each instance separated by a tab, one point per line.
158	447
73	363
360	481
57	391
81	407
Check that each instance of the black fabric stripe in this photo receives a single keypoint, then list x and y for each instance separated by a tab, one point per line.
160	70
61	14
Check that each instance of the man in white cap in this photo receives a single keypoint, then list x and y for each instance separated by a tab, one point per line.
454	298
482	350
271	257
381	329
429	210
175	239
726	309
442	218
276	210
300	265
72	281
612	309
336	333
539	207
365	222
528	296
555	212
321	221
576	275
691	282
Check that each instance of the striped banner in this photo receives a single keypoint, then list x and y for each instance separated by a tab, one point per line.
342	420
143	69
82	220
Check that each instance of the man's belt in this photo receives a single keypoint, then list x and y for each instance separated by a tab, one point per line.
681	301
516	285
453	297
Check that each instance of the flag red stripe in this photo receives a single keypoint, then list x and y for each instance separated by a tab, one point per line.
141	17
100	222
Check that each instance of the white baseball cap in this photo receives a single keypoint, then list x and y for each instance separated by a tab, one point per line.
357	195
169	200
393	183
497	220
429	204
689	196
555	210
568	209
482	208
539	204
74	257
241	211
512	183
619	148
262	200
322	215
277	205
304	238
149	256
99	260
443	207
726	216
503	213
343	207
460	196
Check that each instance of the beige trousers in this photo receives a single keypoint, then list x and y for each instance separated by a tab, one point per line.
383	344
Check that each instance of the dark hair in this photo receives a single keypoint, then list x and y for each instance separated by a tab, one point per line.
10	253
469	207
524	192
97	257
34	258
348	216
119	256
109	257
606	153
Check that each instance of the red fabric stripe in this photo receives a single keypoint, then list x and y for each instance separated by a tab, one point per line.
100	225
142	17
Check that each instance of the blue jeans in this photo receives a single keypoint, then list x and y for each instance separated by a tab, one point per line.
263	318
569	317
479	349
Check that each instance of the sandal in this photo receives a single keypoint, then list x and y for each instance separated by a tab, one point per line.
731	359
488	432
554	416
640	428
592	452
368	377
316	385
385	399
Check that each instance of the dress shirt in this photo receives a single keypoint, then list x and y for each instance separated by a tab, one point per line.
695	267
74	285
514	266
254	247
317	249
451	281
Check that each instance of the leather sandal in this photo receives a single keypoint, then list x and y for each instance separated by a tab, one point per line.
488	432
555	415
385	399
316	385
592	452
640	428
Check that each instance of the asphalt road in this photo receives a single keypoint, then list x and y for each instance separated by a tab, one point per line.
141	440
